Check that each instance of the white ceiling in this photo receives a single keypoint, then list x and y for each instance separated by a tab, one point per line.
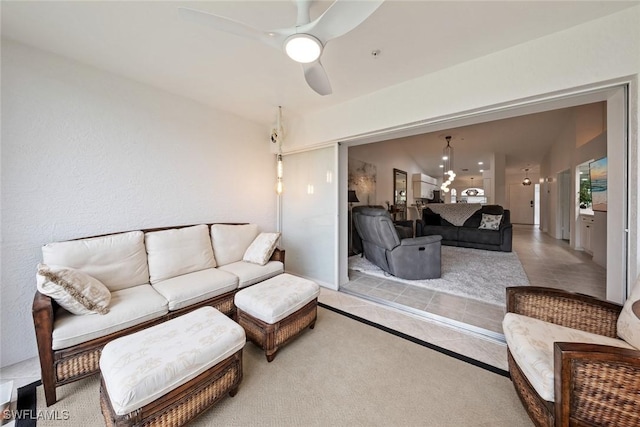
524	140
148	42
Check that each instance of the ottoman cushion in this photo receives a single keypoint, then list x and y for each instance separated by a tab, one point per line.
139	368
276	298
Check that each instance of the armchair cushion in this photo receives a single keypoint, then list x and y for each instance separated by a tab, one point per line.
531	342
629	322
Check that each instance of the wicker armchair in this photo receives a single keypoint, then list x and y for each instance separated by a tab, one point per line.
593	384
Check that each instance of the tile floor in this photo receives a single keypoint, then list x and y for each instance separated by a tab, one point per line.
547	262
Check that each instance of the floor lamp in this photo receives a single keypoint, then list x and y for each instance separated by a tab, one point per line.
353	198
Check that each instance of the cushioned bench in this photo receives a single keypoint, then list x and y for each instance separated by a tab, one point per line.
170	373
277	310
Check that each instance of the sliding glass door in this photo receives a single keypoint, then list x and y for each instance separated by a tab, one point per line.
309	215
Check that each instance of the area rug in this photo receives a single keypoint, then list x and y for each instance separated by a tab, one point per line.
342	373
471	273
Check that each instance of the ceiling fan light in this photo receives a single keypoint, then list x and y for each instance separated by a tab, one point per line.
303	48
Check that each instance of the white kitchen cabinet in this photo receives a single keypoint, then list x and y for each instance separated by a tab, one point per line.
423	186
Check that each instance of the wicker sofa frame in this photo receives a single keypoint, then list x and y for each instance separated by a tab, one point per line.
59	367
595	385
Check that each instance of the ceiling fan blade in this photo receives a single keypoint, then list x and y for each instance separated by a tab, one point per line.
340	18
274	38
317	78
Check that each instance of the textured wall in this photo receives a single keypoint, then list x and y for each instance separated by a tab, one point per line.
86	152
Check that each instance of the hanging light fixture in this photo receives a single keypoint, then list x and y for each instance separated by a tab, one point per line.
526	180
277	135
447	163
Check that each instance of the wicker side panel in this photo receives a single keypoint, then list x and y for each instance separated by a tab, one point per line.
539	411
183	404
255	333
298	321
80	365
197	402
570	313
605	394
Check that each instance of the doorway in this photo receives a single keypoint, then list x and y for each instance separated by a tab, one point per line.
522	203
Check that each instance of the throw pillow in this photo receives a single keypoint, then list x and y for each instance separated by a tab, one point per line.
73	290
261	249
490	222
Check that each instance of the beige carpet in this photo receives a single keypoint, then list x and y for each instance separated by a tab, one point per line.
342	373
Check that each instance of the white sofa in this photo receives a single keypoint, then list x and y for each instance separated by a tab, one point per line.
152	276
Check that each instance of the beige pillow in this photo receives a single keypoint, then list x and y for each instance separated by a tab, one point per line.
261	249
628	321
73	290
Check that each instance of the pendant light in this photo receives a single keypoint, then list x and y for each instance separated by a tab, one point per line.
447	162
526	180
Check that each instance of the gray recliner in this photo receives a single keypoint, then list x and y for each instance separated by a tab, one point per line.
413	259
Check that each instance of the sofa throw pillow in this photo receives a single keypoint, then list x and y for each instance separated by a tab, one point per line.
73	290
490	222
261	249
629	319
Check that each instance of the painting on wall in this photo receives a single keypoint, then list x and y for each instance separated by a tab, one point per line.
362	179
598	177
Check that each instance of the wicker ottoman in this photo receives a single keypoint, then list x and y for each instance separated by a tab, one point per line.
277	310
170	373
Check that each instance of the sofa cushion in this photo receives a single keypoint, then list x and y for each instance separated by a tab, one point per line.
129	307
478	235
490	222
178	251
249	273
492	209
230	242
474	220
73	290
119	261
530	342
187	289
260	250
629	320
449	232
430	218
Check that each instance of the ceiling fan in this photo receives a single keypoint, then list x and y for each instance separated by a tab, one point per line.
303	42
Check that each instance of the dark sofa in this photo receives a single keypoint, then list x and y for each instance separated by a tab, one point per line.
469	235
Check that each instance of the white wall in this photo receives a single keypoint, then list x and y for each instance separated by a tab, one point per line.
85	152
387	156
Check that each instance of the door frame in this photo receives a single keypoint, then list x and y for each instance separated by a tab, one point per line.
621	265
